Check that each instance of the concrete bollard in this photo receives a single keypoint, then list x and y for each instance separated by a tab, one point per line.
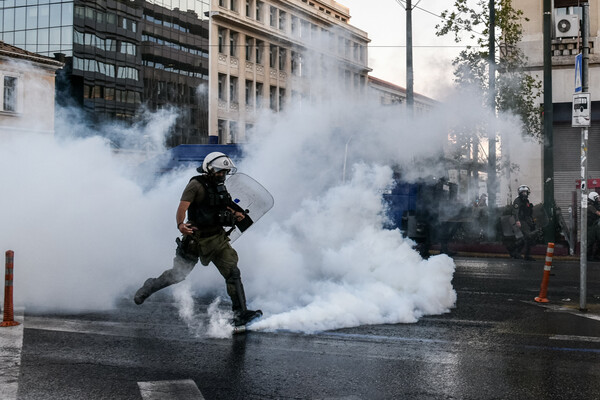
8	291
546	278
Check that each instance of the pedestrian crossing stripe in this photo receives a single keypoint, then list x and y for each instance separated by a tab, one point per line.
184	389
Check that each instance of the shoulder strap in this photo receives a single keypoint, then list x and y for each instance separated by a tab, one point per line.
201	179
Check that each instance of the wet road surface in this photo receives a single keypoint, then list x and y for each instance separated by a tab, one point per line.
496	344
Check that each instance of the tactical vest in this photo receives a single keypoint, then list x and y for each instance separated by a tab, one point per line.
212	210
524	210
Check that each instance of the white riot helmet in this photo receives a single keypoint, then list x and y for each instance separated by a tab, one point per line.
524	188
217	161
593	196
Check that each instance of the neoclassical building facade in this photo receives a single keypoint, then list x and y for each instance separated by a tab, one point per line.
267	54
27	85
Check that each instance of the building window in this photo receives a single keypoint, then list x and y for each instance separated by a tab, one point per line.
221	130
233	41
296	63
233	89
221	89
347	78
273	97
273	16
126	48
125	73
222	3
281	98
249	45
109	94
272	56
233	132
259	94
249	92
295	26
234	5
282	59
331	42
249	8
85	64
10	94
282	20
260	46
97	92
259	10
127	24
222	34
304	29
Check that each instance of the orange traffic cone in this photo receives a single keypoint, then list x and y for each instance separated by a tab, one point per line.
8	291
546	278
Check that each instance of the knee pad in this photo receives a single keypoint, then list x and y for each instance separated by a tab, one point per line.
234	276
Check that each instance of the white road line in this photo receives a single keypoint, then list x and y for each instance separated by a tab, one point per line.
569	310
576	338
177	390
11	342
107	328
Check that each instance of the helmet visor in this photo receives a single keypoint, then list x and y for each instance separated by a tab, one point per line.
222	163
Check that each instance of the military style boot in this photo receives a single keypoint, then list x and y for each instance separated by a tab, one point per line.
241	314
150	286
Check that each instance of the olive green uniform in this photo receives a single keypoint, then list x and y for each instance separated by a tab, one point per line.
207	244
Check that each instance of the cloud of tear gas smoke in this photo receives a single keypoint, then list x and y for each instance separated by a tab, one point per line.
80	226
86	231
219	320
321	259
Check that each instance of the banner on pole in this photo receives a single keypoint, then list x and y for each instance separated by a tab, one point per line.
581	110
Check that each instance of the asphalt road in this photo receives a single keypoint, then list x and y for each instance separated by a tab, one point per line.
496	344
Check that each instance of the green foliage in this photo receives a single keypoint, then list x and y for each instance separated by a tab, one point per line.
515	90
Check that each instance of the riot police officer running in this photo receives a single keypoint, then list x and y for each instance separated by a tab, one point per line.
209	208
523	213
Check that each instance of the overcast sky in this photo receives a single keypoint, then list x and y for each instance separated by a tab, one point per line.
385	23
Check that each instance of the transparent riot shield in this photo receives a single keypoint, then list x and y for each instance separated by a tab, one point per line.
510	229
251	197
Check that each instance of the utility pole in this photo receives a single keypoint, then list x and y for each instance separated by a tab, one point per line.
548	172
410	96
584	165
491	179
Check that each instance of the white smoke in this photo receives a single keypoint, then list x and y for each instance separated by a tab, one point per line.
87	231
219	320
320	259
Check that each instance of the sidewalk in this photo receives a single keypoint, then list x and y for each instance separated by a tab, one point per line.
498	250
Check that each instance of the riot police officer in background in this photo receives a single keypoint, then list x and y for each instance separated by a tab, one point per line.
523	213
209	207
593	225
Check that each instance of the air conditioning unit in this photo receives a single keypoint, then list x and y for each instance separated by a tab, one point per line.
566	25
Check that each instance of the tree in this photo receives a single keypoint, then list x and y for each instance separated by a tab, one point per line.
516	91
